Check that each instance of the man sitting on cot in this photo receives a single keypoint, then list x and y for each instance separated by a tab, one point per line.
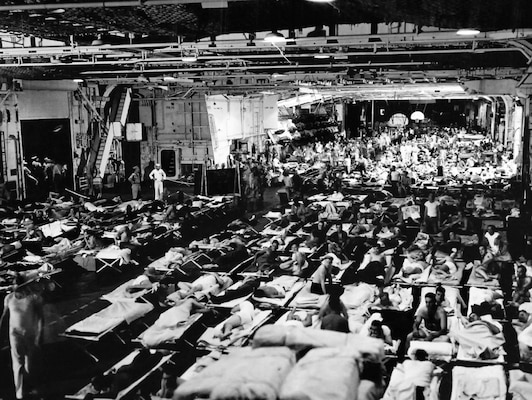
430	323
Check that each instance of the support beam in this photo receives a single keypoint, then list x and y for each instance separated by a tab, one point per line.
525	173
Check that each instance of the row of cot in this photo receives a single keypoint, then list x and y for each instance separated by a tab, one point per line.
304	299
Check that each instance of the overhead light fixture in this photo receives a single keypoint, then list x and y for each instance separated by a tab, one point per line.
321	54
417	116
467	32
189	55
98	41
50	18
58	11
168	78
189	59
78	80
35	15
274	37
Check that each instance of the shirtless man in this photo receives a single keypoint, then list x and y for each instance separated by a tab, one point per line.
242	314
266	259
25	309
31	231
322	276
296	263
524	283
486	267
434	321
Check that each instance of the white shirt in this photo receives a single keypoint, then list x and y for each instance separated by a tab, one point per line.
432	208
158	175
491	241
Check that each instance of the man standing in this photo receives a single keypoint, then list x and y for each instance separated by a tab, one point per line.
432	215
26	320
134	179
158	176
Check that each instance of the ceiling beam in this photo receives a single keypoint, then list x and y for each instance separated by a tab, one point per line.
109	4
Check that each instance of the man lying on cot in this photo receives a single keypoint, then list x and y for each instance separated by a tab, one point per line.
242	314
297	262
210	283
443	265
267	259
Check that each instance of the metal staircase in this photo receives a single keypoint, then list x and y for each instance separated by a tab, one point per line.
100	133
103	133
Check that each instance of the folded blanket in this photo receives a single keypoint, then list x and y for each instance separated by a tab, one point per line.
356	295
487	383
406	377
525	337
243	374
306	299
520	385
400	297
327	373
301	338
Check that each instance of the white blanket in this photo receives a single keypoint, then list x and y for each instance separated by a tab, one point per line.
111	317
486	383
409	375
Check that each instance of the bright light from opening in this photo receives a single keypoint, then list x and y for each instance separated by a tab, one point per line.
78	80
467	32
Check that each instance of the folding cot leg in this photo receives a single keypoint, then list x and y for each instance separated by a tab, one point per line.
96	359
120	338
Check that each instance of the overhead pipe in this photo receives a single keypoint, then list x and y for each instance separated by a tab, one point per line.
109	52
178	60
247	68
